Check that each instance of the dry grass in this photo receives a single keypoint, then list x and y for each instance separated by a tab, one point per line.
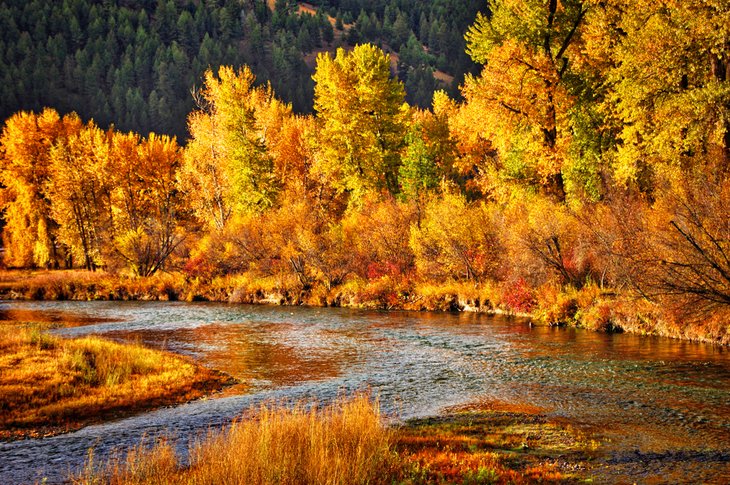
347	443
453	295
88	285
344	443
50	385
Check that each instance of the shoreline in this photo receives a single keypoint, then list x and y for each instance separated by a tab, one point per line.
592	308
53	385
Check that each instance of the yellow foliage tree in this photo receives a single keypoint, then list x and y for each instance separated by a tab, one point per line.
669	79
227	167
362	119
530	99
80	193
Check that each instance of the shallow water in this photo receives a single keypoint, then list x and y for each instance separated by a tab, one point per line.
662	407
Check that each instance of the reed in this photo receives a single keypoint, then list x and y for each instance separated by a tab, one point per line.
343	443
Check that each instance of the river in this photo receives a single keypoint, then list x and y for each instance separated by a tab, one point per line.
660	407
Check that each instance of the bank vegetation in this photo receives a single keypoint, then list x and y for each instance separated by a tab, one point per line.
584	178
50	385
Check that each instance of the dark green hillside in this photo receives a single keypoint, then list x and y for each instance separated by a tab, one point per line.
134	63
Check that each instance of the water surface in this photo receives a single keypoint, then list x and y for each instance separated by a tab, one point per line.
661	407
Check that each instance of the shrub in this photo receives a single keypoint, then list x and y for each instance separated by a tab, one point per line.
455	240
519	297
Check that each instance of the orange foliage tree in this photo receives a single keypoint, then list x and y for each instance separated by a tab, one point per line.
147	211
377	234
30	233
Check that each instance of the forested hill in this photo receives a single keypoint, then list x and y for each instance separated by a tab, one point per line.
134	62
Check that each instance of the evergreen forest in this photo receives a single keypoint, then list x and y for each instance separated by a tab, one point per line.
134	64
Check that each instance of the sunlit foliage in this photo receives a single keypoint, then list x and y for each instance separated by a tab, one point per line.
362	120
78	196
455	239
147	209
527	99
228	169
25	146
587	163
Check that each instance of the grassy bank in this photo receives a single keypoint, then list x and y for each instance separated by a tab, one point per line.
50	385
590	307
493	442
347	442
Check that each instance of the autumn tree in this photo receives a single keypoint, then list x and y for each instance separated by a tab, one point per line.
685	255
531	98
545	242
30	233
79	189
378	233
227	167
313	246
148	213
362	121
668	70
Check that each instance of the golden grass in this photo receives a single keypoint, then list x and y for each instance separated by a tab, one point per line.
348	443
343	443
88	285
456	294
50	385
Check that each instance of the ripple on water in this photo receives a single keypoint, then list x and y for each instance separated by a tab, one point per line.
663	406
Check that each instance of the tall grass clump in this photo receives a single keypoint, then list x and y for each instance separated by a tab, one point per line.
342	443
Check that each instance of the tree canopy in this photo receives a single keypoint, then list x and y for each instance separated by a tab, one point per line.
583	171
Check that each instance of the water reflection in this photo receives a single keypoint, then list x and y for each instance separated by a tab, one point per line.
651	396
60	317
259	356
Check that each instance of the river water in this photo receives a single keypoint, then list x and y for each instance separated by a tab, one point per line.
660	407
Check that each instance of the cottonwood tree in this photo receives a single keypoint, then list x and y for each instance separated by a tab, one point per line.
669	85
29	236
80	193
362	119
148	214
529	99
227	168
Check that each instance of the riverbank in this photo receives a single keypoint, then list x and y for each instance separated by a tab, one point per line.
51	385
348	442
494	442
590	307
